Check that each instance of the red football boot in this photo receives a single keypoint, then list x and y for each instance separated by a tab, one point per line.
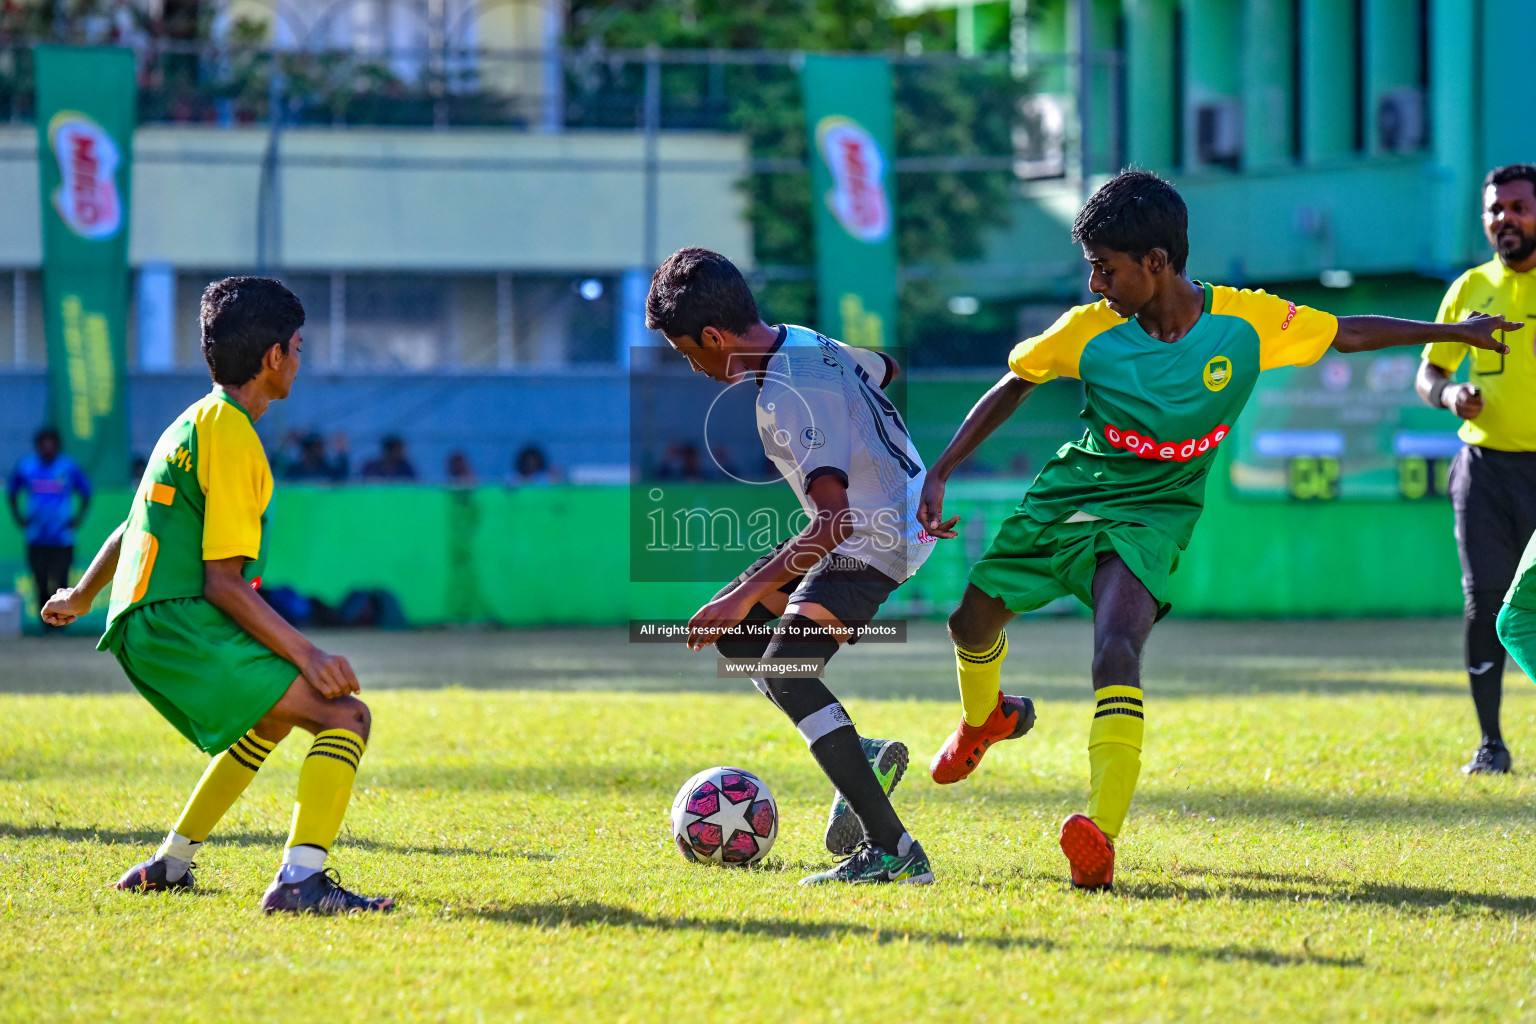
962	752
1090	853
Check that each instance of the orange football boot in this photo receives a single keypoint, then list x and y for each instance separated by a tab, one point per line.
962	752
1090	853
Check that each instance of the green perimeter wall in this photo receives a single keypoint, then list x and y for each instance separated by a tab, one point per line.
559	555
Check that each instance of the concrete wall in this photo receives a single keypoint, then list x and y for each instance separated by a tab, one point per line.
401	199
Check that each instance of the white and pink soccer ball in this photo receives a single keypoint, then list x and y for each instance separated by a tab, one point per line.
725	816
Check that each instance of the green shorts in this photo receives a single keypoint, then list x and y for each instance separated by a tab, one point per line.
1517	632
1030	563
208	677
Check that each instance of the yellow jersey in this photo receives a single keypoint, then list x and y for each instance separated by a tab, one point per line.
1508	382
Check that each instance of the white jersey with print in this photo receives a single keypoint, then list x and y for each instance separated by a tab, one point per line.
822	409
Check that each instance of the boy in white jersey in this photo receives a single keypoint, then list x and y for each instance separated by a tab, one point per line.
826	424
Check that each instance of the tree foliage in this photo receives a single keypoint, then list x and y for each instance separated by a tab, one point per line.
944	108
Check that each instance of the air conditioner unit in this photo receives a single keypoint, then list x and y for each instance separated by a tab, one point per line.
1219	133
1400	120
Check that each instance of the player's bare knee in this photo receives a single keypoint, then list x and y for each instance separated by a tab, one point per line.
1116	661
362	716
967	630
350	714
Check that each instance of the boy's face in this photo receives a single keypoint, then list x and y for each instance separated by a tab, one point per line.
710	355
1124	282
284	366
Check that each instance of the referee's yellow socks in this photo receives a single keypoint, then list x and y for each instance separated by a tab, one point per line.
221	785
1114	755
981	679
325	788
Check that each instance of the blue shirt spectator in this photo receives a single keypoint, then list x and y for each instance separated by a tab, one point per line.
49	479
391	463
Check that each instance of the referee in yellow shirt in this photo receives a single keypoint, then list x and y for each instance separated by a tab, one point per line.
1493	478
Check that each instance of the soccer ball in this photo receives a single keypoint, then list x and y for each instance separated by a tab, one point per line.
724	816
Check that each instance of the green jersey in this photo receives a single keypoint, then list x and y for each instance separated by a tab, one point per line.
202	498
1522	593
1157	411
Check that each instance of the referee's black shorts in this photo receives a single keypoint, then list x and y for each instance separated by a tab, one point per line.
1493	494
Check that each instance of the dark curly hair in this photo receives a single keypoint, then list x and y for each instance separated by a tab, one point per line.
1135	212
1511	172
695	289
243	317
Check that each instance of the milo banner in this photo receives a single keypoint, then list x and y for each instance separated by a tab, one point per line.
85	120
849	115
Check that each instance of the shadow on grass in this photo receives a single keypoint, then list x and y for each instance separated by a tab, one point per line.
1228	807
275	840
1265	957
563	914
1297	888
557	915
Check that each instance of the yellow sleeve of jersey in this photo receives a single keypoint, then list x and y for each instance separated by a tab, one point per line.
1289	335
236	481
1448	354
1058	351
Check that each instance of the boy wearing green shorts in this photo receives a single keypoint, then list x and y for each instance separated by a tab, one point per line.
193	636
1166	364
1517	619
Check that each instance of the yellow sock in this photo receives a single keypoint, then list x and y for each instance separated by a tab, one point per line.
1114	755
981	679
221	785
325	787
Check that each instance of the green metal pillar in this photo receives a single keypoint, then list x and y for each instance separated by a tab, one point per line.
1508	101
1454	103
1329	103
1213	57
1268	26
1152	134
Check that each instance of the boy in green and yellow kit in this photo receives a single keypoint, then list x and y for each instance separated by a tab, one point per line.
1167	364
1517	619
192	635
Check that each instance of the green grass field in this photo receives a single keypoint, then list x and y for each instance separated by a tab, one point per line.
1302	847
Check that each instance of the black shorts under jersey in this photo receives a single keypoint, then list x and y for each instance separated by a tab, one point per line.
845	586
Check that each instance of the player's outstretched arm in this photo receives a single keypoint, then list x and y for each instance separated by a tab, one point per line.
1001	401
831	526
330	674
1371	333
69	603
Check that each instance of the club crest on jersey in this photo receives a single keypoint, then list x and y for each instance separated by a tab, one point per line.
1218	373
812	437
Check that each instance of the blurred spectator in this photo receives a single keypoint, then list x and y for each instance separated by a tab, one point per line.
531	468
681	463
137	467
723	462
313	463
50	480
460	472
391	463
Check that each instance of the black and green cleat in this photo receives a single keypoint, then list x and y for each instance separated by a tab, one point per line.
844	829
150	876
870	863
320	893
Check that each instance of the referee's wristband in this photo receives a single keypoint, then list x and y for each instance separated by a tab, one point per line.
1437	393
